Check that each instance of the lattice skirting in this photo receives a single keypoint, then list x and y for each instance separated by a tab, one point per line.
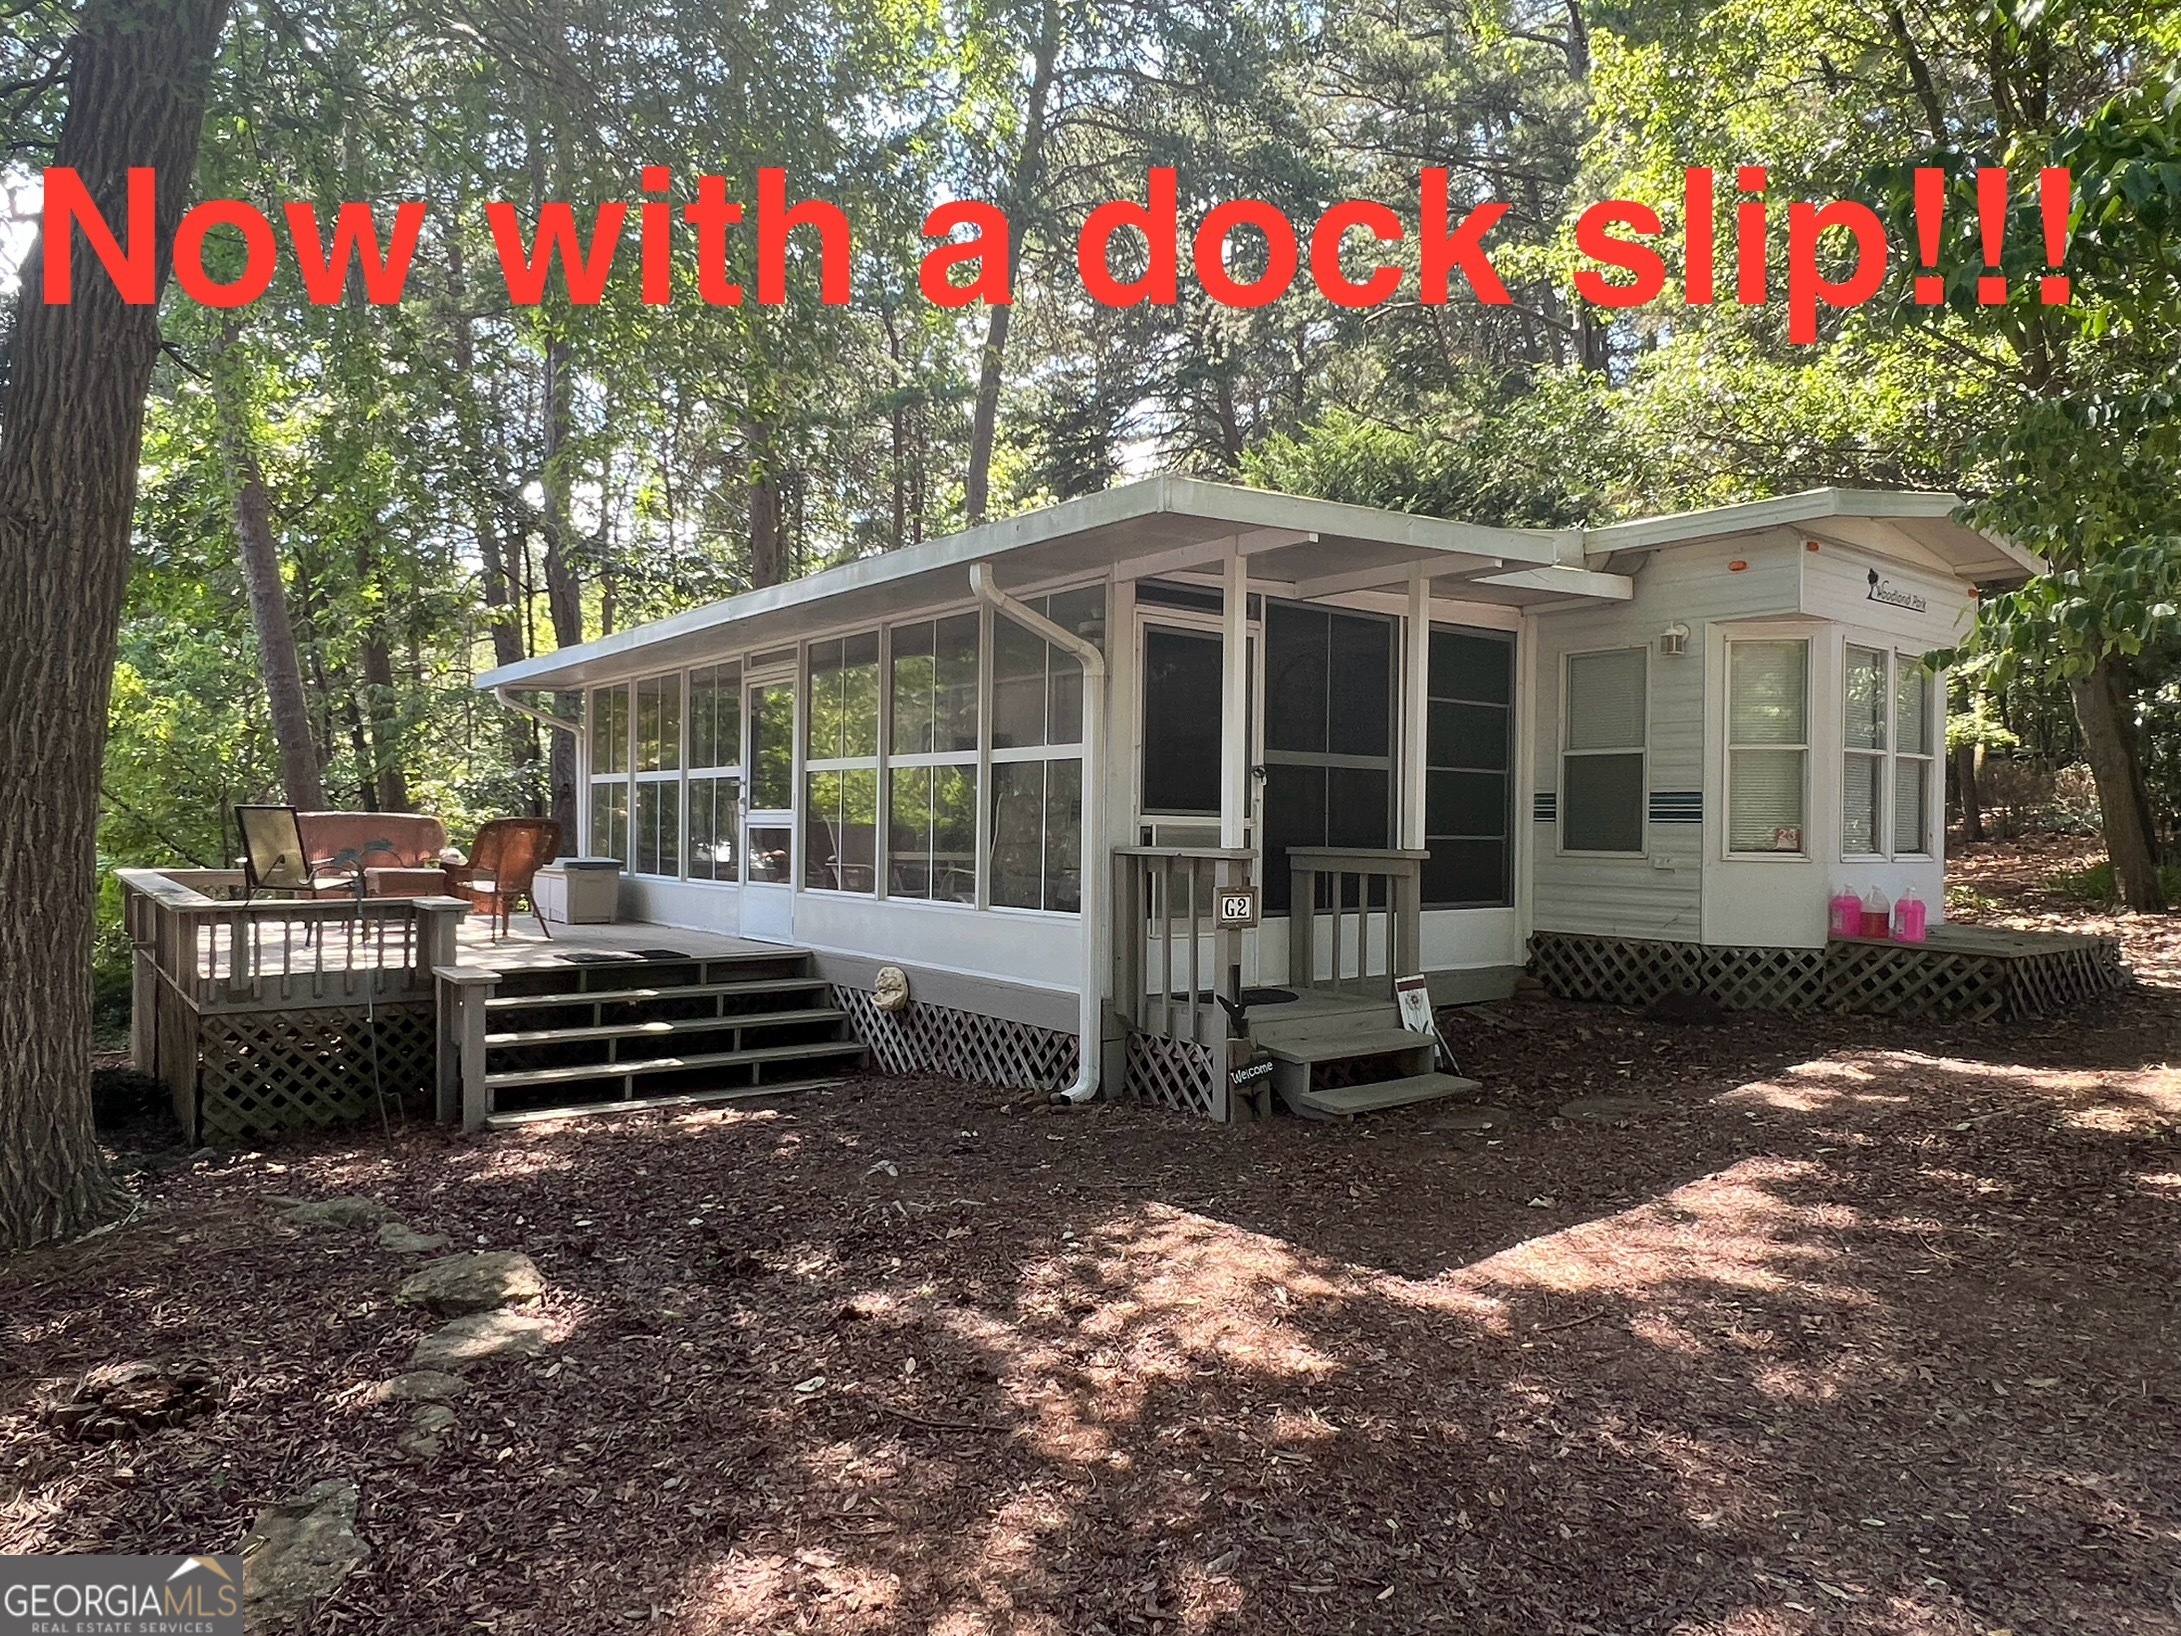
261	1072
1885	979
1176	1074
937	1039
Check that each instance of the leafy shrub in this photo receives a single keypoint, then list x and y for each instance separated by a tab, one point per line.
2095	884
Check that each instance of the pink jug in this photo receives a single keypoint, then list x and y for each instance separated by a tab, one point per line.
1877	913
1908	918
1845	914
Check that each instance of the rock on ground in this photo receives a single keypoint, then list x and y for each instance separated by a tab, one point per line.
297	1552
338	1212
422	1386
481	1337
475	1282
404	1239
426	1437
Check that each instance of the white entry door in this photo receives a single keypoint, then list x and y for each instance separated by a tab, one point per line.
768	822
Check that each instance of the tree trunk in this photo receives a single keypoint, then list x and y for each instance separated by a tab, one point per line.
300	776
563	585
1022	192
768	530
382	706
1972	803
71	427
2109	743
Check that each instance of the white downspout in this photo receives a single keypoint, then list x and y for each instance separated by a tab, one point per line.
1091	1025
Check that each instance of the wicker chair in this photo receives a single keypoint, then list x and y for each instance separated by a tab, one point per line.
504	860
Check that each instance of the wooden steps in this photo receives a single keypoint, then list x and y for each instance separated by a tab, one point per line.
1351	1100
658	1032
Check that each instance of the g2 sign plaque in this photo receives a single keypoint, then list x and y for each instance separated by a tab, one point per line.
1235	907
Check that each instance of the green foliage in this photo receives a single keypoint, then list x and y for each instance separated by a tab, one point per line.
2094	885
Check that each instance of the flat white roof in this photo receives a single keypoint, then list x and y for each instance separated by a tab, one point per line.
1307	546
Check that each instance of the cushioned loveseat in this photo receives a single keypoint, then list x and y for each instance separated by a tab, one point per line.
398	851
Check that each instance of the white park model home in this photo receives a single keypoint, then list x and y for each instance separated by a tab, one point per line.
1018	763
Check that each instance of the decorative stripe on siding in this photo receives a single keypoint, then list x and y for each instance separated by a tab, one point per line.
1677	806
1545	807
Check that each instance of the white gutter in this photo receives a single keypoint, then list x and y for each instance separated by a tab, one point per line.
1091	1024
546	718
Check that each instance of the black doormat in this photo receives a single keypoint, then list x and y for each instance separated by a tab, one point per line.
621	957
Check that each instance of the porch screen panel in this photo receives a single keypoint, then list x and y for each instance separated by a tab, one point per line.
1468	790
840	761
1035	857
931	768
1768	735
715	773
1602	752
656	821
610	756
1328	736
1183	683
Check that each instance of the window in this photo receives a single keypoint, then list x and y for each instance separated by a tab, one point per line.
1328	736
840	766
1036	855
609	810
715	772
656	827
931	761
1768	744
1888	755
1602	749
1863	758
1183	684
772	747
1468	794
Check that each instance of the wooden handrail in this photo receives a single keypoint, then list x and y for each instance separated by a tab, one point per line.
1401	869
1162	894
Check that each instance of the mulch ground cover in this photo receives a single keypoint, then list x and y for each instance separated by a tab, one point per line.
1819	1324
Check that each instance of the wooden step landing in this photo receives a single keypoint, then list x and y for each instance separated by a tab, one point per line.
1336	1044
1388	1093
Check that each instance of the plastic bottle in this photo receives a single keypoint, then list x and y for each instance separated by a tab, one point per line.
1844	914
1877	914
1908	918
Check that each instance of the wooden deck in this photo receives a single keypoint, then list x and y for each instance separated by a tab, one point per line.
525	949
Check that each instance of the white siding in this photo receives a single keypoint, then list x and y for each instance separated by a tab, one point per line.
1660	894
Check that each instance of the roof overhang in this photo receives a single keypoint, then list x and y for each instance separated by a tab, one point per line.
1163	524
1919	528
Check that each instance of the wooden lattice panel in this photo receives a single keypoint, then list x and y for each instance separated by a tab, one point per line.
261	1072
937	1039
1175	1074
1879	979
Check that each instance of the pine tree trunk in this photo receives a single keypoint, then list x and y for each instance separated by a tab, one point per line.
71	427
563	584
282	672
1022	191
2109	743
1972	802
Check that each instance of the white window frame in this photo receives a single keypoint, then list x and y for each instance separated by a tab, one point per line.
969	760
593	843
1888	758
729	772
810	766
1641	749
994	756
1803	853
639	776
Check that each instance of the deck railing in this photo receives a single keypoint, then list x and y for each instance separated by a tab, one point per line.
274	1011
1169	952
1382	890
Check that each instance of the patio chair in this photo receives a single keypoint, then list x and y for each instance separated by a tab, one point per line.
504	860
274	858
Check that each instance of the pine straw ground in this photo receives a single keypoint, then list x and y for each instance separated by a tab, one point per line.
1856	1327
